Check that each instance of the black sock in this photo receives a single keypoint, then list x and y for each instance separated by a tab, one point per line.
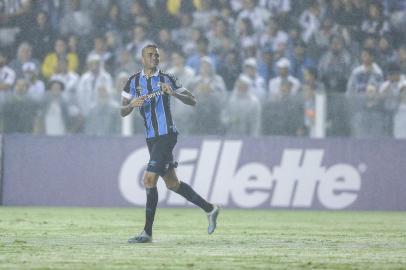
152	201
187	191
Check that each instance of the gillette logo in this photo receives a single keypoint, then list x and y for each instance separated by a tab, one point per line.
215	172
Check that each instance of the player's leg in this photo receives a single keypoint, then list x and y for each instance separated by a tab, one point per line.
172	182
150	182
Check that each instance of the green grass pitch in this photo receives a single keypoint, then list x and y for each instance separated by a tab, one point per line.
96	238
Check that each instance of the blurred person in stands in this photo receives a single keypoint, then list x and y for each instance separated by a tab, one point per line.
257	83
70	79
246	36
179	69
300	59
125	62
76	20
282	113
395	80
36	87
178	7
279	83
103	118
19	111
242	114
194	60
114	44
310	87
113	20
138	41
183	34
273	36
208	79
165	41
7	76
399	119
255	14
266	65
230	68
386	54
210	89
204	14
319	43
100	49
279	9
335	66
310	20
139	14
368	73
50	62
219	36
368	114
334	70
73	46
56	116
90	82
186	75
14	18
390	92
190	45
40	35
24	55
375	22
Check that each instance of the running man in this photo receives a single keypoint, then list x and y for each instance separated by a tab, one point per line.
150	91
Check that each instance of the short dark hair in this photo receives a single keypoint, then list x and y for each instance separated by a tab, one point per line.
148	46
57	81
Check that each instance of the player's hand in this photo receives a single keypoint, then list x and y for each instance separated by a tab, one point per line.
137	102
167	89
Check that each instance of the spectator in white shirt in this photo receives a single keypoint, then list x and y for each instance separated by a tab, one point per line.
242	115
90	81
69	78
36	87
257	83
256	14
275	84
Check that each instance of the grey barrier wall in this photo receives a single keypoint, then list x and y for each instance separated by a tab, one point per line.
268	172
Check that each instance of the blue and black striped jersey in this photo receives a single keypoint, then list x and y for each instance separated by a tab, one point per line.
156	110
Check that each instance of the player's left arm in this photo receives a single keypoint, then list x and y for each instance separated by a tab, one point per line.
182	94
174	87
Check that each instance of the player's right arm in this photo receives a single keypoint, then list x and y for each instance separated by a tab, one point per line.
127	105
129	102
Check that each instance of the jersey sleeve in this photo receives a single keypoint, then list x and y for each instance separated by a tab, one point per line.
126	91
174	81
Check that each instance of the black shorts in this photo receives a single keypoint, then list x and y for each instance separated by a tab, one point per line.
160	153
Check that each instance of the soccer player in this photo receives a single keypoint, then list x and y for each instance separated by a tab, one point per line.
150	90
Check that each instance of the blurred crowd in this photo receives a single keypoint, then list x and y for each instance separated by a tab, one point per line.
256	66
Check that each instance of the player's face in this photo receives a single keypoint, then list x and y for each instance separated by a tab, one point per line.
150	58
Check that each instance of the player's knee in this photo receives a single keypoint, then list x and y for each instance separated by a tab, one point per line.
172	185
149	181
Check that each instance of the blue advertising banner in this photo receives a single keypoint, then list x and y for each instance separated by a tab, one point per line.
241	172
